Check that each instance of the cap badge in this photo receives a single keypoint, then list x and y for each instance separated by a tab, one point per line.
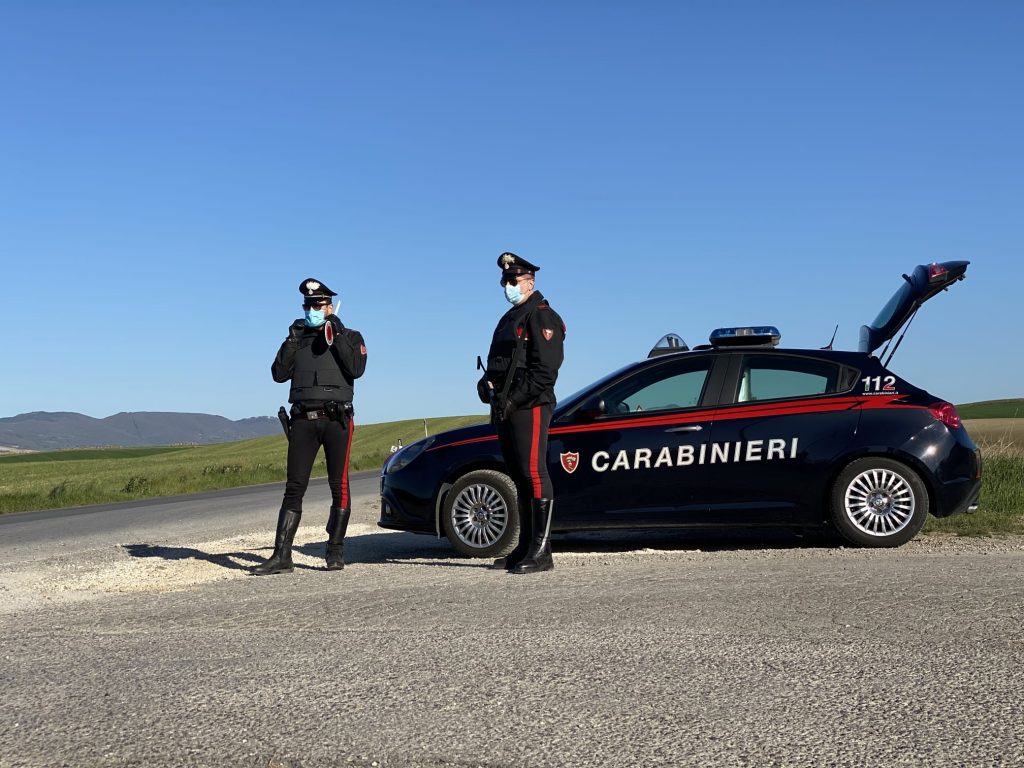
312	285
507	260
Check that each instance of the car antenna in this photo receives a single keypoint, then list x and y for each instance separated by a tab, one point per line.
833	337
900	340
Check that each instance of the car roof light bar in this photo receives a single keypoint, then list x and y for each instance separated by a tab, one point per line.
746	336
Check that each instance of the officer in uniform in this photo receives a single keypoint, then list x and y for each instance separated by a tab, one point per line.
321	358
522	366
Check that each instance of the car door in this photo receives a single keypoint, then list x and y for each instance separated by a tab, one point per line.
784	421
632	459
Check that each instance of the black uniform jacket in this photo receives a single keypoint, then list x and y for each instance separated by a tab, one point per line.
543	334
319	372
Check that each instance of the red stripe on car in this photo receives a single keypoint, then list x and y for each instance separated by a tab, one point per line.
729	413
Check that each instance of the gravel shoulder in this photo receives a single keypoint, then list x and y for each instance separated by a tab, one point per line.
129	565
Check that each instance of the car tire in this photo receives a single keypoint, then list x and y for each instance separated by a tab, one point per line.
480	515
878	502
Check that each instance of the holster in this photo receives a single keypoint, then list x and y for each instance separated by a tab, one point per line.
286	423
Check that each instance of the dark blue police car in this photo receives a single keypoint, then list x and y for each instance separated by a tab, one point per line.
738	432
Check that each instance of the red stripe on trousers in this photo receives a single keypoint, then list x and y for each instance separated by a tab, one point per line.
538	491
344	467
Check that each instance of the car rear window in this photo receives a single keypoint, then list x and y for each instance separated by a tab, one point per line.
778	377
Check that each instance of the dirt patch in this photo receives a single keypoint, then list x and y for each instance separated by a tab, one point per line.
135	568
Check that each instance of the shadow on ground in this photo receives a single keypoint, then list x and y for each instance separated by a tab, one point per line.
415	549
237	561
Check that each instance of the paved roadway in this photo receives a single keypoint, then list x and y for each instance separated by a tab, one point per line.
637	650
212	513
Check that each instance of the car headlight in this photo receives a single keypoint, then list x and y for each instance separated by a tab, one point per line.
407	454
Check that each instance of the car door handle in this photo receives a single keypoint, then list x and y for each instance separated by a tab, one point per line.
687	428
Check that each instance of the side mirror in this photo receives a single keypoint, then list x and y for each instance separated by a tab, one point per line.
590	409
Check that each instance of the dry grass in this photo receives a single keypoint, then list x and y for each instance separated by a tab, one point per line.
997	436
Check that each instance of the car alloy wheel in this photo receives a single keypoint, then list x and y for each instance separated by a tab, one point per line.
878	502
480	517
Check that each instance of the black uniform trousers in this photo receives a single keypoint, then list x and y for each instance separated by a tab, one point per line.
524	445
304	443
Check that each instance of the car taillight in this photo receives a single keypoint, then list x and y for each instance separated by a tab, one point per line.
946	413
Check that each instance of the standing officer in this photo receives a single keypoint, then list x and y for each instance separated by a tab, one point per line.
522	366
322	358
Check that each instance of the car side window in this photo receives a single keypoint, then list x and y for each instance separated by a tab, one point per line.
668	387
777	377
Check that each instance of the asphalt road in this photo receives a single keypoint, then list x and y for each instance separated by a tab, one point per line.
140	640
212	513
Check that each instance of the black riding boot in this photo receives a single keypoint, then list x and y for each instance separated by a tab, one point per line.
513	558
281	560
337	524
538	558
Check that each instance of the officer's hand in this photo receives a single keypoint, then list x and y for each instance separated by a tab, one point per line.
483	390
336	322
295	330
503	407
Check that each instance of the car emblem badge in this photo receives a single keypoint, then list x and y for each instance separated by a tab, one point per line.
570	461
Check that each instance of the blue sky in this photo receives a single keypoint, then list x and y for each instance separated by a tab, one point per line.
170	171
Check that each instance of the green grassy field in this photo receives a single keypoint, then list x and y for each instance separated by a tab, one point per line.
85	454
993	409
95	476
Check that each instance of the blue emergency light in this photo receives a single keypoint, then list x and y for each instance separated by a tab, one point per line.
746	336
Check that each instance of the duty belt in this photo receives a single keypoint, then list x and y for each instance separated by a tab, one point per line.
330	410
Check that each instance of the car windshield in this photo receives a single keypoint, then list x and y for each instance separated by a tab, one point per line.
898	299
567	402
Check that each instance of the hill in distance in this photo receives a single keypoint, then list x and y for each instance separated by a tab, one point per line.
52	431
993	409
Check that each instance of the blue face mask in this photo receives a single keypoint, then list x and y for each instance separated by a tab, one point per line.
315	318
513	294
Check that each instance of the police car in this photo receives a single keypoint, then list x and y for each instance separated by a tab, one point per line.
737	432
